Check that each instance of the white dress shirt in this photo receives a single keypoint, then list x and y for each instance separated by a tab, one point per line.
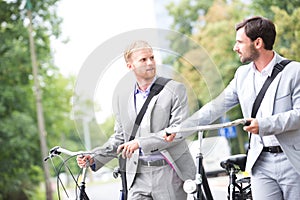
140	98
259	79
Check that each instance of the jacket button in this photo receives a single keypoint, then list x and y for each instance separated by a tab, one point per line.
135	162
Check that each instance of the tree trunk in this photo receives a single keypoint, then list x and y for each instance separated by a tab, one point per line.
39	107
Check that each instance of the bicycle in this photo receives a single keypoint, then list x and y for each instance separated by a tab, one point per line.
80	192
199	187
56	151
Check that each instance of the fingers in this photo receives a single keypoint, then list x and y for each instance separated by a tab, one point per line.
252	126
127	153
169	138
127	149
84	161
120	147
80	161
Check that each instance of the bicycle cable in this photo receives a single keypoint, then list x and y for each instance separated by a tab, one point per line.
58	179
57	170
64	163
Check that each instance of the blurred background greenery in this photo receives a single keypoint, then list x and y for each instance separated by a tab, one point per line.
209	23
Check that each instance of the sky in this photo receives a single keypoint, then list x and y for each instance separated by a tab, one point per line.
88	24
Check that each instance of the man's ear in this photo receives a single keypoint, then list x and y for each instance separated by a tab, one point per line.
259	43
129	66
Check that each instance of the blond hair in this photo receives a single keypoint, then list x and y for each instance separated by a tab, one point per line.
137	45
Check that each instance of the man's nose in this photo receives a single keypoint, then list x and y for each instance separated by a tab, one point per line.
235	47
150	61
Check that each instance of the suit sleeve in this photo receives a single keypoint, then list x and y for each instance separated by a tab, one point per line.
108	151
214	109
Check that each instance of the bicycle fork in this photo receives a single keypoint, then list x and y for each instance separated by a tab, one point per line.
82	194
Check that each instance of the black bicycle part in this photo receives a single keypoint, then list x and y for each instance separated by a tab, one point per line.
236	187
81	187
206	193
83	195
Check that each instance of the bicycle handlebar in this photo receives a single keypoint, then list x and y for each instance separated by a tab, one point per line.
208	127
58	150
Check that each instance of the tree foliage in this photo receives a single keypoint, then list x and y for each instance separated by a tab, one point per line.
288	30
21	160
264	7
216	36
186	14
212	24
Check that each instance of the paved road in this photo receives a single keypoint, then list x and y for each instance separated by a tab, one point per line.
110	189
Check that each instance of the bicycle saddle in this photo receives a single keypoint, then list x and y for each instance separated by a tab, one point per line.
238	162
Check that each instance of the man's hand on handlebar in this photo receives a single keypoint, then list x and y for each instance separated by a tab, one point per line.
169	137
84	160
252	126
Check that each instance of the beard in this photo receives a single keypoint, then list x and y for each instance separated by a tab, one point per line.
253	55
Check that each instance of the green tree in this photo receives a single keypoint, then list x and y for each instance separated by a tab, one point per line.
264	7
216	36
285	15
215	33
213	28
21	158
187	19
288	32
187	14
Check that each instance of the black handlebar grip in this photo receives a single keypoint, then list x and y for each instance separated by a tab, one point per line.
247	123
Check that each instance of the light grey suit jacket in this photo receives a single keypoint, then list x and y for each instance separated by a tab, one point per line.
282	119
167	109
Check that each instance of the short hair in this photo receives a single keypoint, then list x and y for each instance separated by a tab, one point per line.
137	45
256	27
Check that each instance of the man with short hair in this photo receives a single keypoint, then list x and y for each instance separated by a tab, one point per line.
155	169
274	151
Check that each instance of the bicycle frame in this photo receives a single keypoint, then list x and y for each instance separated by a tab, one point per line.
242	192
236	189
195	186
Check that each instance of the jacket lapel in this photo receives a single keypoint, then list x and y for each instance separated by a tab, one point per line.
249	92
145	126
271	94
131	107
146	121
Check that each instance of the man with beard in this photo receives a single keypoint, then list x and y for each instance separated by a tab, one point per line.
274	130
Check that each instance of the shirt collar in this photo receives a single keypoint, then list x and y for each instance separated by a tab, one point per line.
268	69
137	90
